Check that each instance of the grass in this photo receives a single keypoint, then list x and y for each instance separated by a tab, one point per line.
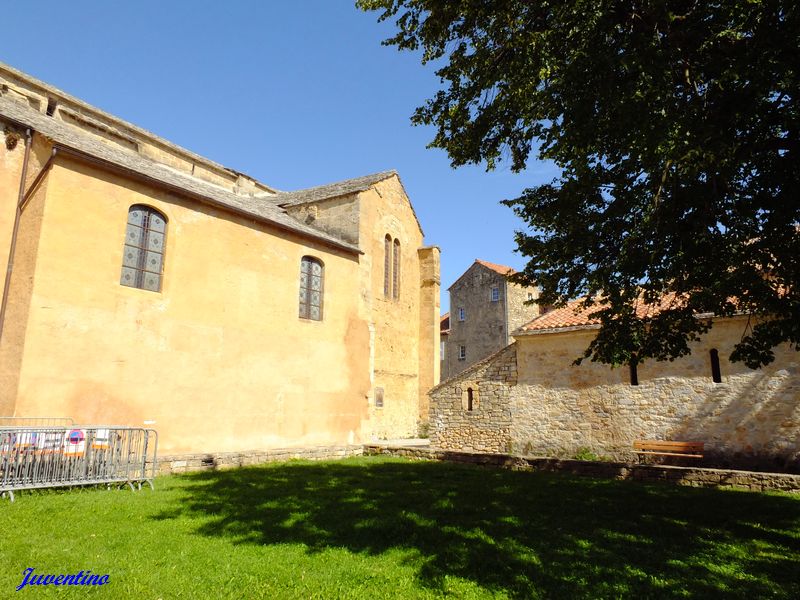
388	528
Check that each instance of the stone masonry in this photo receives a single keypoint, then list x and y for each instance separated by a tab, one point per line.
751	419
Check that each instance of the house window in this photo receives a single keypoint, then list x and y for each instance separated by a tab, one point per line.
396	270
462	314
634	373
441	350
378	397
143	254
311	288
387	266
495	294
462	353
470	399
716	374
530	296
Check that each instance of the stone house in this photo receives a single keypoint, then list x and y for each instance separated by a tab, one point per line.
484	309
530	399
148	284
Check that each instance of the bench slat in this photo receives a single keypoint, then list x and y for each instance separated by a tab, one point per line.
671	454
660	445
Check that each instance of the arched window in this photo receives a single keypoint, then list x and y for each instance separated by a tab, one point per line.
311	288
143	254
387	266
716	374
396	270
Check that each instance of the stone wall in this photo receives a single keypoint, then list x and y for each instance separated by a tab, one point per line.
520	313
750	419
487	427
688	476
184	463
483	331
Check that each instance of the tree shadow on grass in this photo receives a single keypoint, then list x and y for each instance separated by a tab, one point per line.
523	534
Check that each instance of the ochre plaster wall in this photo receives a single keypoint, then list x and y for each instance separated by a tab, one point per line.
219	358
395	323
20	284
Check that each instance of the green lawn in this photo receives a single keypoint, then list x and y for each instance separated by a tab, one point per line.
388	528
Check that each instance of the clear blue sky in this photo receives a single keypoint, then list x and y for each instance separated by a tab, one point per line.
295	94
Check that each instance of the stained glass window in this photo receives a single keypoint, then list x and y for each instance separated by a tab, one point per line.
311	288
143	253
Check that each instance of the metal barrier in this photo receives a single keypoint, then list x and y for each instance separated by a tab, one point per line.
44	457
36	422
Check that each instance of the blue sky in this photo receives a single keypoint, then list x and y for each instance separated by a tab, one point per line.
295	94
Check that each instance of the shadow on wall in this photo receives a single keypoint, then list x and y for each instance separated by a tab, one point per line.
752	423
514	534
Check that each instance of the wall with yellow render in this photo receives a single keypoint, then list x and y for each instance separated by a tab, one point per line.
395	341
20	283
219	359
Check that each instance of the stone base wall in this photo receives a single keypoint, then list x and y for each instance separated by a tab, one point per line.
182	463
535	401
688	476
487	427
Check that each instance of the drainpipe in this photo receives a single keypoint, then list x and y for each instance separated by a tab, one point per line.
22	200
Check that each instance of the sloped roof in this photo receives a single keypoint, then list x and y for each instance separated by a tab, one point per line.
330	190
83	144
501	269
567	317
573	316
336	189
444	323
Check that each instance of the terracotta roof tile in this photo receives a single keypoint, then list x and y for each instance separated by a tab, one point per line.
573	316
501	269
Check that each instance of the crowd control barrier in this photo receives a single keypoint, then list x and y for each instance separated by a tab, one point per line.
45	457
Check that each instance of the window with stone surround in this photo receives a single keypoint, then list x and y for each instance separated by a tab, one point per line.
462	353
143	254
387	266
495	293
378	397
311	288
462	314
396	270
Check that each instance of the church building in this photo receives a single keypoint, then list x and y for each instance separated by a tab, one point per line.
147	285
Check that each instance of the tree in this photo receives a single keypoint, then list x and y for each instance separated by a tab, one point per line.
676	125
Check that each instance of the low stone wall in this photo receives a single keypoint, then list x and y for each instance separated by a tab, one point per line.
182	463
689	476
487	427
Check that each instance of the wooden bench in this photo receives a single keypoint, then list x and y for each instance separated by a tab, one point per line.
662	448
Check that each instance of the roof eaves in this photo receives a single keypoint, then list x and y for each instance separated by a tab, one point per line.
80	145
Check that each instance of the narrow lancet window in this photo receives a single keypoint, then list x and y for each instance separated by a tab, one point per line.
396	271
387	266
716	374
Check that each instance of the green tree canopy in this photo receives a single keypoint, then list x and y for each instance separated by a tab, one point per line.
677	128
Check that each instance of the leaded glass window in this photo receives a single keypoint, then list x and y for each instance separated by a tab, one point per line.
387	266
396	271
311	288
143	254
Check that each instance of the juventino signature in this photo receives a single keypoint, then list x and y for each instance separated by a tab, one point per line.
79	578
